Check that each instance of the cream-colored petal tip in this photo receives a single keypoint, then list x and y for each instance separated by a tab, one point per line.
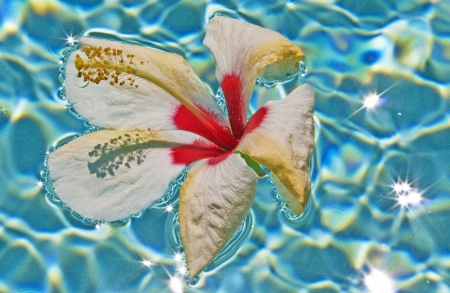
292	203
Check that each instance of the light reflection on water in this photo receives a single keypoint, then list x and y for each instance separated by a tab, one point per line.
379	208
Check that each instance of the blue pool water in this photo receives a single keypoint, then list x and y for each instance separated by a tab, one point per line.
378	220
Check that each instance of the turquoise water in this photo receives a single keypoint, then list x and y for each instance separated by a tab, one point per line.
379	214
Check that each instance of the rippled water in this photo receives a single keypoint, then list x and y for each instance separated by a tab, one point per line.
379	215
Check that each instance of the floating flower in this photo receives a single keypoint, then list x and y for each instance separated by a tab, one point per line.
158	118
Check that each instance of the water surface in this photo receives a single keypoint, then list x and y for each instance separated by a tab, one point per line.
379	213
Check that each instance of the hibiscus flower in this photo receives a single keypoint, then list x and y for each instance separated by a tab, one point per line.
157	117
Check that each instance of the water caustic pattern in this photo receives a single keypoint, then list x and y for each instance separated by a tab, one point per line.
379	214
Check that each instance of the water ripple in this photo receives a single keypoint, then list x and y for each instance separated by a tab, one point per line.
356	225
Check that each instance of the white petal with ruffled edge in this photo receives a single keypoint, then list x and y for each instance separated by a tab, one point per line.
280	136
243	50
148	106
109	175
214	200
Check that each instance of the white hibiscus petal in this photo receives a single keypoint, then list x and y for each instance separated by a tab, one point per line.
280	136
109	175
214	199
147	106
242	51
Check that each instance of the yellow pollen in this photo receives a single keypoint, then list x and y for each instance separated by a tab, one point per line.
99	65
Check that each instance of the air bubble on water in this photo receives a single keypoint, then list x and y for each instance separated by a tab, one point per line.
302	66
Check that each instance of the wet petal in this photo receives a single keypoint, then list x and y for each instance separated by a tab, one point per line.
214	199
292	202
280	136
109	175
127	107
242	51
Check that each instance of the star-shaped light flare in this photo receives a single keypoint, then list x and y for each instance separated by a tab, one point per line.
146	263
178	257
372	100
176	285
405	194
379	282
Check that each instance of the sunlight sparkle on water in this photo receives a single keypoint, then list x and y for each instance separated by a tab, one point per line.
176	285
146	263
98	226
70	40
178	257
169	208
397	187
405	194
40	184
406	187
414	197
371	101
402	200
379	282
